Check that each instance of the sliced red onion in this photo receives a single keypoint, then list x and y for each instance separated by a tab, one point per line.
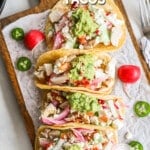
116	106
54	102
63	114
56	120
95	82
78	135
51	121
58	40
85	130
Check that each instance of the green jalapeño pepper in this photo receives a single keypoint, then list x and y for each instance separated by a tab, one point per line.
142	108
17	34
24	64
135	145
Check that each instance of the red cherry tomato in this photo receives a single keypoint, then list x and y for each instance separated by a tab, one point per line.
32	38
129	73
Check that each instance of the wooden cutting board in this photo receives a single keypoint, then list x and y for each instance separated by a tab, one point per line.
45	4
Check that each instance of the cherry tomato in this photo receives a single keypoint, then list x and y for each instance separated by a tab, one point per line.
129	73
32	38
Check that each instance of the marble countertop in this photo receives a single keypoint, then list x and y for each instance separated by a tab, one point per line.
13	134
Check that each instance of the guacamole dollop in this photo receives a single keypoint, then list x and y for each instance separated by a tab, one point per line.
83	103
82	67
83	23
74	147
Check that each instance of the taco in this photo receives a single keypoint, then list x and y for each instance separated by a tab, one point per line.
88	27
75	138
59	108
62	69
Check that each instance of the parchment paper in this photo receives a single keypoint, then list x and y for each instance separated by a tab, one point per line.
138	127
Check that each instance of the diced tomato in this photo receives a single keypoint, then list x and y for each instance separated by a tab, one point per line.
84	82
58	40
97	32
82	40
49	145
101	102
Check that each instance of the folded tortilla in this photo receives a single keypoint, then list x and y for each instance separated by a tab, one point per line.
103	76
77	136
117	37
65	108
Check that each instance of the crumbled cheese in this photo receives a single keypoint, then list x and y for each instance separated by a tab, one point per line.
49	110
94	120
98	63
113	19
116	34
48	69
97	137
65	29
39	75
100	74
109	134
81	46
111	68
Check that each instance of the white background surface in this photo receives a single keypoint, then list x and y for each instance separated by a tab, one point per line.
13	135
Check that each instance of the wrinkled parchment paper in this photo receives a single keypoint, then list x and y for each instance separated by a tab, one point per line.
138	127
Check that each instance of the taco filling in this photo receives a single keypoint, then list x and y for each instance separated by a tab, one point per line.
75	139
86	70
65	107
84	27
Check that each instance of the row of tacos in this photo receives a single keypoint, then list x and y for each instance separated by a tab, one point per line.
76	99
77	77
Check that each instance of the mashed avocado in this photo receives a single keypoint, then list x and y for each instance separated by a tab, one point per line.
83	23
83	103
82	67
74	147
